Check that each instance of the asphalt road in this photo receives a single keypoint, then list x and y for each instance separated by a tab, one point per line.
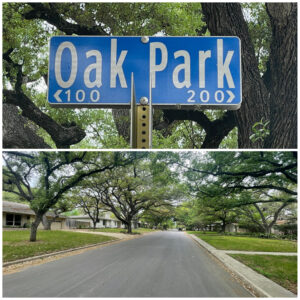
163	264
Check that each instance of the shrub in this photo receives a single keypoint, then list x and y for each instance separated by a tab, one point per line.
287	229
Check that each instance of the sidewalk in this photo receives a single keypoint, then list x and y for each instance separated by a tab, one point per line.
258	253
262	286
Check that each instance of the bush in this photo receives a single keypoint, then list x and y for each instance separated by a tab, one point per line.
27	225
287	229
81	226
251	228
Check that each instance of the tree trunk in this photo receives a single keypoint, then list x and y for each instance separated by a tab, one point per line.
226	19
46	223
94	224
282	79
272	97
34	227
129	227
223	228
268	230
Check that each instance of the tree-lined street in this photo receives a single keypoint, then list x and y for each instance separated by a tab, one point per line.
163	264
246	197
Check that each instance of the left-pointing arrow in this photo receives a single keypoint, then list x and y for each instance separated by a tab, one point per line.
56	95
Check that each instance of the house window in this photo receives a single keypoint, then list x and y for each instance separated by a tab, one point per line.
9	219
13	220
104	222
17	220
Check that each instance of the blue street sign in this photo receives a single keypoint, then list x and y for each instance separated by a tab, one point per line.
95	71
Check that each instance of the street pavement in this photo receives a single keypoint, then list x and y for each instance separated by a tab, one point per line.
162	264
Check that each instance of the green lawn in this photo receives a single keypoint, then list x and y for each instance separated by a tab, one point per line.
122	230
281	269
225	242
16	244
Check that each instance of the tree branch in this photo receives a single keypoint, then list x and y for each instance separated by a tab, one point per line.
245	173
47	12
20	154
288	201
215	130
264	186
62	136
17	180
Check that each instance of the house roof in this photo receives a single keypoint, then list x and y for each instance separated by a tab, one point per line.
100	217
20	208
87	217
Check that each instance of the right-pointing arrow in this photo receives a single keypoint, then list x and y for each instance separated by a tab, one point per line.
56	95
231	96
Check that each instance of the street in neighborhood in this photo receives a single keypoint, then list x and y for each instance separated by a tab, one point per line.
161	264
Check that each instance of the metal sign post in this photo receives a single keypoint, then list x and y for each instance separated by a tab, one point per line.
141	121
151	112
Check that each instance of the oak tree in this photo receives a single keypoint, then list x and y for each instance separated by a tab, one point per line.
224	182
43	178
135	189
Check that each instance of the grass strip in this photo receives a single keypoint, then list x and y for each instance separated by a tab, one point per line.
280	269
16	244
225	242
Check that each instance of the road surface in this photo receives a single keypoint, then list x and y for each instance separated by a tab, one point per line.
162	264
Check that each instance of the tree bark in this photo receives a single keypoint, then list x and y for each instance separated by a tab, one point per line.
282	79
94	224
129	227
268	230
17	131
34	227
61	135
226	19
46	223
223	228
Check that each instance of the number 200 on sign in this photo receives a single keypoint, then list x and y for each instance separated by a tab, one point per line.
204	96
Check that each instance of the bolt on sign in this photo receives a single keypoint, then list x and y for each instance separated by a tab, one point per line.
95	71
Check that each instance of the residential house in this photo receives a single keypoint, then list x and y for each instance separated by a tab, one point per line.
106	220
18	215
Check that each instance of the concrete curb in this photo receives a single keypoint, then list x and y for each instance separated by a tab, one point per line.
15	262
261	285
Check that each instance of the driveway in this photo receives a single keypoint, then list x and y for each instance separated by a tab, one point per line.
162	264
